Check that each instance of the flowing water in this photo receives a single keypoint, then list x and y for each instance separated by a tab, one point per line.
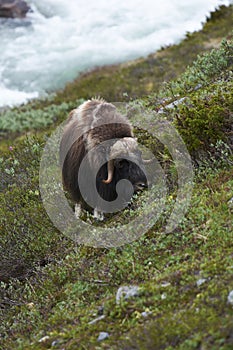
60	38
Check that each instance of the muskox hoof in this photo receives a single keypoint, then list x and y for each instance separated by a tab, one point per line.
98	215
77	210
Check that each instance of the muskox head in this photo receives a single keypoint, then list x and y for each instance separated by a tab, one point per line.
125	163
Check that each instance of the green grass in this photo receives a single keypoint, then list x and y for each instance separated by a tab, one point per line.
60	299
51	288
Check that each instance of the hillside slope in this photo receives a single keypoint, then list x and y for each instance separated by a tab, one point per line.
56	294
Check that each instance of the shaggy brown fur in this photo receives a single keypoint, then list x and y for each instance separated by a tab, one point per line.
94	122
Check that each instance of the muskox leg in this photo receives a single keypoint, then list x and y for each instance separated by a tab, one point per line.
77	210
98	215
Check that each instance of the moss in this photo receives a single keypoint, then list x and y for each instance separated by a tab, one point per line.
22	213
202	101
207	119
27	118
61	299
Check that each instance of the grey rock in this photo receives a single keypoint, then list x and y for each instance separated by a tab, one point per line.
230	298
165	284
54	343
146	313
13	8
44	339
197	87
126	292
103	336
164	296
230	203
201	281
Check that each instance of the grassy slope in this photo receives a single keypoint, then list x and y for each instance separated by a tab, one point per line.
52	288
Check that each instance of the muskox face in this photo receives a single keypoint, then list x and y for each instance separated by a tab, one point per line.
125	164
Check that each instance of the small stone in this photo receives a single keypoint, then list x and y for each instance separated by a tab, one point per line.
103	336
230	298
126	292
44	339
200	281
164	296
55	342
165	284
230	203
146	313
197	87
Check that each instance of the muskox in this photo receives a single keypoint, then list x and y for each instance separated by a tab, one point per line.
97	135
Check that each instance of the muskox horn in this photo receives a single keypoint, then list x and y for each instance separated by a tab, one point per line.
110	172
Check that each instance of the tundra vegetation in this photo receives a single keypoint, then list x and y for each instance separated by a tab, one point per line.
52	288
